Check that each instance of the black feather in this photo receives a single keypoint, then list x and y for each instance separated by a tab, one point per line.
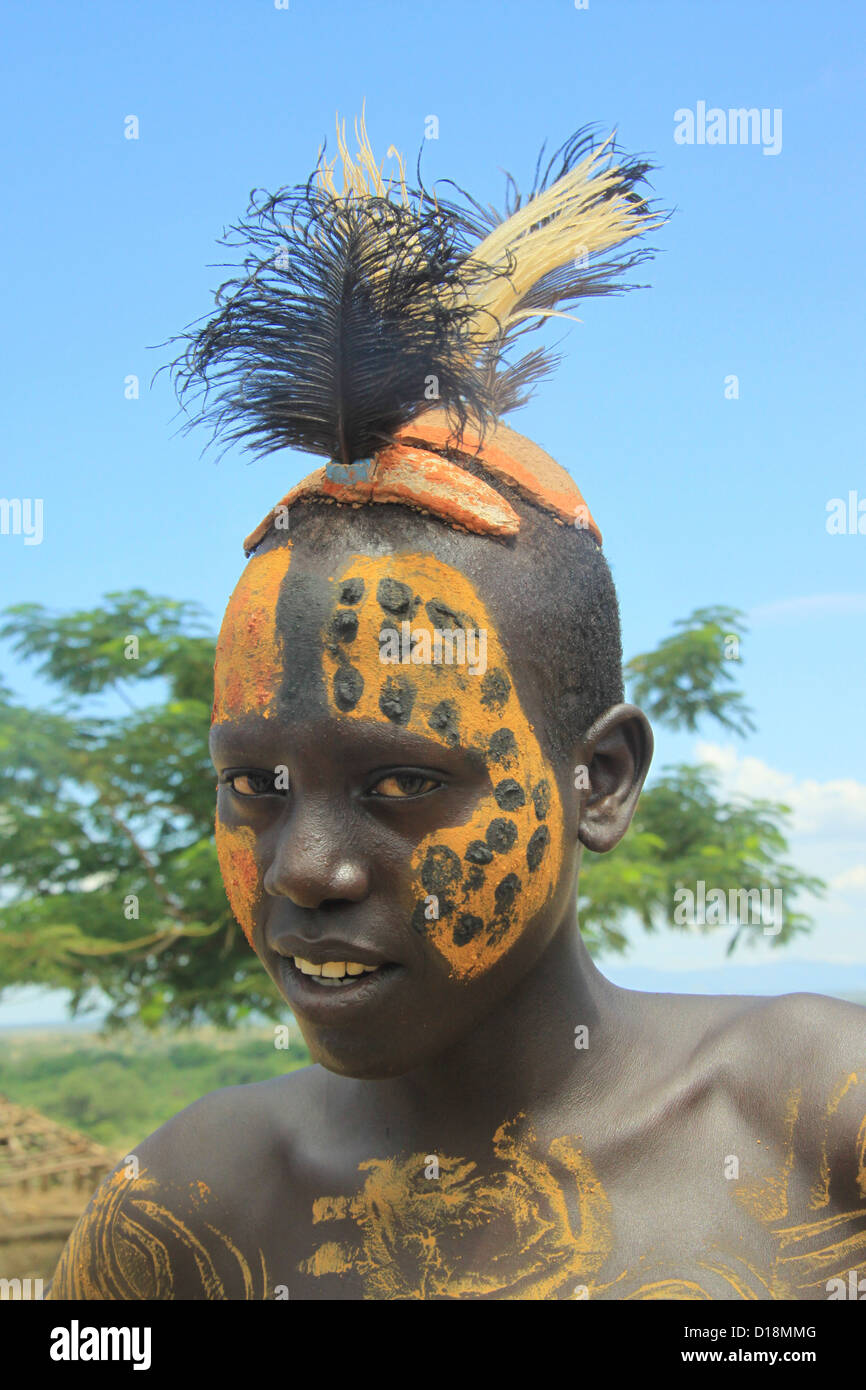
346	311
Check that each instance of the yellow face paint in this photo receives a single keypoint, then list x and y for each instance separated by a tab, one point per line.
235	845
475	885
247	675
249	654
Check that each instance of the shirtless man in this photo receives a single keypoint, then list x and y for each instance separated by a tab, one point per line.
400	836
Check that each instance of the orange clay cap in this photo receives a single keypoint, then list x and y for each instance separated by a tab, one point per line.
422	469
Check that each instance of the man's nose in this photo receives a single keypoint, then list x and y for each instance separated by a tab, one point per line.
314	863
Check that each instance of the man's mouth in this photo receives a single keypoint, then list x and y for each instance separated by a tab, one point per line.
333	972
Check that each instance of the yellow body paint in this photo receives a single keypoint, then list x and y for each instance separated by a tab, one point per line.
126	1243
410	1231
474	884
810	1252
820	1194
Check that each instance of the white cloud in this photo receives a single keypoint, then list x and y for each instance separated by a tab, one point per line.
809	606
826	834
835	809
853	879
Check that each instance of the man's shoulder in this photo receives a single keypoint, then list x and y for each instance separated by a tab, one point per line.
795	1038
186	1212
230	1126
796	1063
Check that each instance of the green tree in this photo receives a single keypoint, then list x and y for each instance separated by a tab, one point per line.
683	830
109	877
108	873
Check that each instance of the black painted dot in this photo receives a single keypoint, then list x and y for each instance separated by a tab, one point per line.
465	928
478	853
444	719
509	795
474	879
501	834
420	920
495	689
440	870
442	615
506	892
502	747
394	596
348	687
396	699
541	799
537	847
352	590
343	627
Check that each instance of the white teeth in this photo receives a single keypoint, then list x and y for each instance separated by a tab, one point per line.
333	972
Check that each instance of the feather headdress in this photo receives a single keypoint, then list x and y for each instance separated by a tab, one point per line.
359	307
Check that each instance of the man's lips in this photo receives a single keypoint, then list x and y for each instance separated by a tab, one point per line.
320	999
320	950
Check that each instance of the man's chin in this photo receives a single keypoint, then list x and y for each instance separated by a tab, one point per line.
356	1065
364	1057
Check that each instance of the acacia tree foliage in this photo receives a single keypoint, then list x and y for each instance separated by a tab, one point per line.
108	872
683	831
109	877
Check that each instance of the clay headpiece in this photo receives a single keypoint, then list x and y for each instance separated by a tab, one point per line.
358	307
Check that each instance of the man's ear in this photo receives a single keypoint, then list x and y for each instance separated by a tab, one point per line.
617	751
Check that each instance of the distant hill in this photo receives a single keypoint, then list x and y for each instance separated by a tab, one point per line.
839	980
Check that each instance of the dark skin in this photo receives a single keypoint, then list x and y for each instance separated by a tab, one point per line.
450	1139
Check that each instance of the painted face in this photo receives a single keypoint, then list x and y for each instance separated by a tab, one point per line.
473	885
247	674
419	827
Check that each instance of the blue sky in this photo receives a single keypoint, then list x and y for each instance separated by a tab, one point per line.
109	247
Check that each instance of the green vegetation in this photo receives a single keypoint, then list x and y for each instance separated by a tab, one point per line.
118	1089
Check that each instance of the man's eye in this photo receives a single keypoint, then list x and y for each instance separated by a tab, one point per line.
403	784
252	783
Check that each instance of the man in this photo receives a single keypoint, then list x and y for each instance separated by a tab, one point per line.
418	724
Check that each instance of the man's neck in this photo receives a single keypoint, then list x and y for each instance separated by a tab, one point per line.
557	1038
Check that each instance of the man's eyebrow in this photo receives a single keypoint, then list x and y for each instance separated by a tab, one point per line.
385	744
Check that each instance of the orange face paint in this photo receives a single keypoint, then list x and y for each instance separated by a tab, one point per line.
235	846
476	885
247	675
249	659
